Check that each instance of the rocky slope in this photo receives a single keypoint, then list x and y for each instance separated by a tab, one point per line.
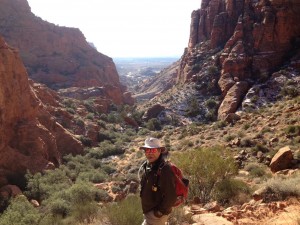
59	57
247	42
30	138
158	84
241	54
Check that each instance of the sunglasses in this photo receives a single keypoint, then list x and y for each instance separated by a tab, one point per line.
151	150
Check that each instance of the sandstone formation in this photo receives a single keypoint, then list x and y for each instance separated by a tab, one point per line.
30	139
253	39
59	57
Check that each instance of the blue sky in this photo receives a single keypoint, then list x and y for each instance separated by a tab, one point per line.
125	28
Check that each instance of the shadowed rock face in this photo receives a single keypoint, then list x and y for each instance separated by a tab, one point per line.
254	39
29	137
59	57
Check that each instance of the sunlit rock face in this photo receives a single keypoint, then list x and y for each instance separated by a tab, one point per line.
253	38
59	57
30	139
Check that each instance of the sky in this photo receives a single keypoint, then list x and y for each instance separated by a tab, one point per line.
125	28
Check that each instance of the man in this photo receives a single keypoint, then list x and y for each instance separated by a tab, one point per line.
158	193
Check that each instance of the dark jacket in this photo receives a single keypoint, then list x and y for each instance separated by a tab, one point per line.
165	196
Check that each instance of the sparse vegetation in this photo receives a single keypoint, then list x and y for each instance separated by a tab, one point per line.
206	168
281	187
125	212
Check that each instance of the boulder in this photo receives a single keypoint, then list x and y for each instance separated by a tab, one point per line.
282	159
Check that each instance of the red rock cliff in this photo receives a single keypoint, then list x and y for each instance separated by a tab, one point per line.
253	37
29	137
59	57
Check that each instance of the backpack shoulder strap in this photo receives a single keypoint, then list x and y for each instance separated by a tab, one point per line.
143	166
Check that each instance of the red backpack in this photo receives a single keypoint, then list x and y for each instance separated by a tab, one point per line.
182	184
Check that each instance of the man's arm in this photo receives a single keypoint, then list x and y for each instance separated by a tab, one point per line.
168	190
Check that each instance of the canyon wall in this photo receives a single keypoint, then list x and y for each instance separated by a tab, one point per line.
30	139
59	57
250	40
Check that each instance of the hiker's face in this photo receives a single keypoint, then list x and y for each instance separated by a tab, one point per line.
152	154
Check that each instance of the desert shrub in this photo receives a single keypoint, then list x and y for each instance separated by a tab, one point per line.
283	187
193	107
293	130
229	137
95	176
246	142
73	205
246	126
127	211
102	196
255	170
70	110
105	149
108	169
211	116
90	116
260	147
101	123
185	144
79	122
59	208
230	190
153	124
143	131
69	103
89	105
220	124
85	141
103	117
20	212
211	103
40	186
290	91
82	196
114	117
205	167
193	129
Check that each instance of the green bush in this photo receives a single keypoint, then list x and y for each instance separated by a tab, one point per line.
40	187
211	103
125	212
69	103
153	124
290	91
283	187
85	141
255	170
20	212
59	207
260	147
229	191
77	203
193	107
105	149
205	167
293	130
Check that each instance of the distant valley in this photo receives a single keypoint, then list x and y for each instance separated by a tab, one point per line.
134	71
